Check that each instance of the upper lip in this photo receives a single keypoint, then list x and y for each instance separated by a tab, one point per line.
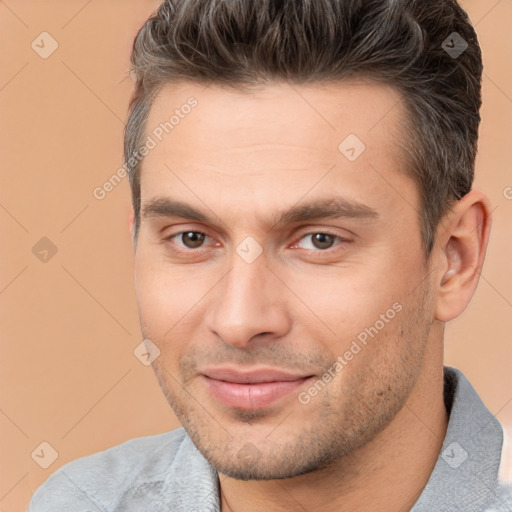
258	376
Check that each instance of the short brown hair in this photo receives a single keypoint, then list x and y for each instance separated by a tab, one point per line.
402	43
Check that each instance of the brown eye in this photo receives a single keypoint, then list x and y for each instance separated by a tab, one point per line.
192	239
322	240
319	240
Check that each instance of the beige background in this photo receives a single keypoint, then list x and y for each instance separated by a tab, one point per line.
69	325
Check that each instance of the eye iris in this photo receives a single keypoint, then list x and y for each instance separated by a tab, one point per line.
192	239
322	240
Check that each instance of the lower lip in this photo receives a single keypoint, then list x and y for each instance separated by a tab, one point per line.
251	396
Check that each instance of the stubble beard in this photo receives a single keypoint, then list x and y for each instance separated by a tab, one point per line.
371	396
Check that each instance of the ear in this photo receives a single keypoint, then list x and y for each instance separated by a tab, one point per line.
461	243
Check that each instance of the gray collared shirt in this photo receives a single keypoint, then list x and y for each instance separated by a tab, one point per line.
166	472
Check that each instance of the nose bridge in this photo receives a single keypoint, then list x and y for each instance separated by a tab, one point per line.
245	305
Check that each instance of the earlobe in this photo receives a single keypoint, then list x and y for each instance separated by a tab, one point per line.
464	238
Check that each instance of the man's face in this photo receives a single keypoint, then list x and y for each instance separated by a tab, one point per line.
289	336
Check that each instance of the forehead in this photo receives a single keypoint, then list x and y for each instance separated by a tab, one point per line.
277	141
322	113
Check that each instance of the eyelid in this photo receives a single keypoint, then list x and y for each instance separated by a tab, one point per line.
303	232
184	227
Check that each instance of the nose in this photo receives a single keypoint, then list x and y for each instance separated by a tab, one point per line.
248	303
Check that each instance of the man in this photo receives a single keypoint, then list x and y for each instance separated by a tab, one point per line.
304	225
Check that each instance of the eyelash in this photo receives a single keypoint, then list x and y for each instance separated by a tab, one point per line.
338	241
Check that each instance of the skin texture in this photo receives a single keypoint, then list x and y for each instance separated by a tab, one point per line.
370	437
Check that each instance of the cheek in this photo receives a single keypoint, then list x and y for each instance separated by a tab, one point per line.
339	303
169	299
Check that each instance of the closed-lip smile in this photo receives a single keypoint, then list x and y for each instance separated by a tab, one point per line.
251	389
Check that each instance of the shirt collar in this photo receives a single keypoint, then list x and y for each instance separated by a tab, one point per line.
465	476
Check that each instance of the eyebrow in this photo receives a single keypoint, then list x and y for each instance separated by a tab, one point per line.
329	208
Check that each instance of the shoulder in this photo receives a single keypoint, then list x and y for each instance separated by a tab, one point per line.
97	481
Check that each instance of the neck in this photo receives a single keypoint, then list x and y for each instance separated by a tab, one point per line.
387	474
